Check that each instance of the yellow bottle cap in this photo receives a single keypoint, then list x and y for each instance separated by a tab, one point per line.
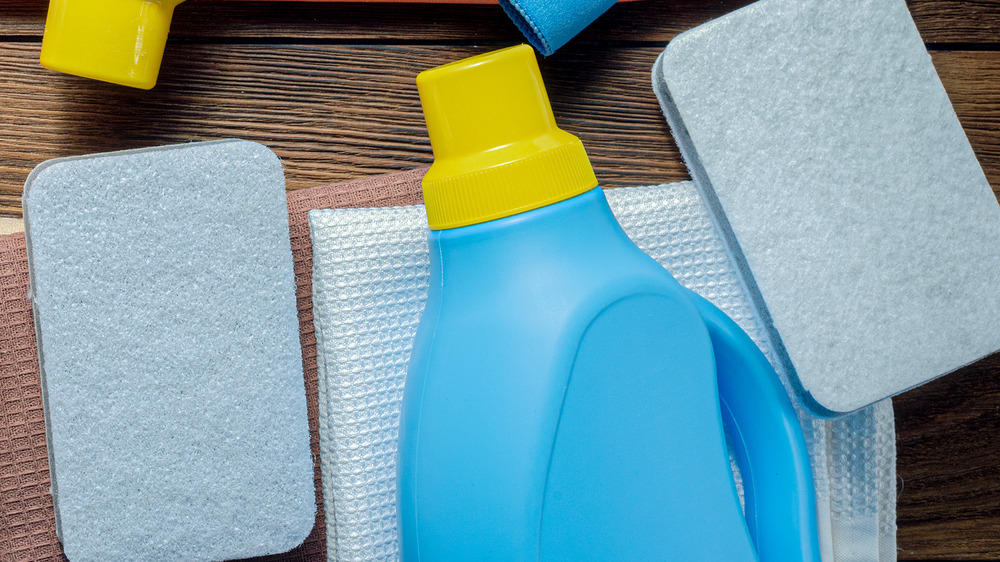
497	149
118	41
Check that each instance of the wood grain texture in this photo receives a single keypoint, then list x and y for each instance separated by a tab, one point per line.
330	112
340	112
948	466
972	80
939	21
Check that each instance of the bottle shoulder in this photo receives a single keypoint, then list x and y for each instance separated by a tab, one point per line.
554	289
541	321
575	247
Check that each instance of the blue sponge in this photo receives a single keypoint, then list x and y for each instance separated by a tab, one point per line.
821	136
175	405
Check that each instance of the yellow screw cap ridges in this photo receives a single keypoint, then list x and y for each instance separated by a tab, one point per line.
497	149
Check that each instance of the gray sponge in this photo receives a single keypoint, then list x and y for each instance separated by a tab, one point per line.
823	139
164	299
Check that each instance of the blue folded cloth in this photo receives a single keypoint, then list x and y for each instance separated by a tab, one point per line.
550	24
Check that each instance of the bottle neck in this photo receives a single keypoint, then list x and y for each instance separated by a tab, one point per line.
579	228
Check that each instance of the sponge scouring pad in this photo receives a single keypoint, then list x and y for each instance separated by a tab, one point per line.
175	407
865	228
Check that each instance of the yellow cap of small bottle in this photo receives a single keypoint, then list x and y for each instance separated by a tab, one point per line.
497	149
118	41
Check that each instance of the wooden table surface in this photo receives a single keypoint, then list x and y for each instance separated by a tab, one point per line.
330	88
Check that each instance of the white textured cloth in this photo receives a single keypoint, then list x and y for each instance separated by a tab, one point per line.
370	274
370	281
10	226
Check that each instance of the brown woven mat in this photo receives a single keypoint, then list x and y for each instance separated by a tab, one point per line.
27	527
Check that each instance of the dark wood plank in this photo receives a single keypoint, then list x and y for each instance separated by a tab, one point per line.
972	80
339	112
331	113
939	21
948	466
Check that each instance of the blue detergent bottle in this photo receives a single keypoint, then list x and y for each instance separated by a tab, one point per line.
562	400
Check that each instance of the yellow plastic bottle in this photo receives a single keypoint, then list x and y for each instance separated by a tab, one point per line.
117	41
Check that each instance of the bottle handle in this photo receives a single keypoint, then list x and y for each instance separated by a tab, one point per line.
770	449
